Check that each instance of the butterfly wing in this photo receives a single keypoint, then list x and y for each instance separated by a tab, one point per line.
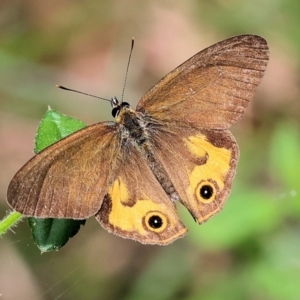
200	164
212	88
70	178
136	206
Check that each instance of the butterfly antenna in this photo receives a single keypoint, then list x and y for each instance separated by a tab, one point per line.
132	45
71	90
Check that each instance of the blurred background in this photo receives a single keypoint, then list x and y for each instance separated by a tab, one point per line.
251	250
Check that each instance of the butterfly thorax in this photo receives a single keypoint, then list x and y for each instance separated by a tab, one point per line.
132	126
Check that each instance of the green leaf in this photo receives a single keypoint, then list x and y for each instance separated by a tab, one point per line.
51	234
53	127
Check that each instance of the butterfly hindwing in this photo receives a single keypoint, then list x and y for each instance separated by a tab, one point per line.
200	164
136	206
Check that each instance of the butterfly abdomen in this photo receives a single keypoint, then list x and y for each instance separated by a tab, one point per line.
160	173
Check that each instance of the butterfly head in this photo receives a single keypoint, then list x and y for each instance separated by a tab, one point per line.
117	106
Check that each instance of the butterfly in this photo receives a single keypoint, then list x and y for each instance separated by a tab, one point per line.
175	147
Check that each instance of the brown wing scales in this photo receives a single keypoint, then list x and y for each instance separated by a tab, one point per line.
201	166
137	207
212	89
68	179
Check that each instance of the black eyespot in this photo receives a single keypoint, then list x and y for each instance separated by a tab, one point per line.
206	191
155	222
115	111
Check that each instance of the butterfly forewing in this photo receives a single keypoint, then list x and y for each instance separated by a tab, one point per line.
70	178
212	89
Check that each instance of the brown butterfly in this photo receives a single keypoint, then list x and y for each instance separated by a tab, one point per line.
175	146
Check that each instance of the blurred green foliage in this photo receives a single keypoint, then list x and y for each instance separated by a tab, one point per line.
251	250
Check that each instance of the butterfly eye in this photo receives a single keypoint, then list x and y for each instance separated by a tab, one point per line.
115	111
155	221
206	192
